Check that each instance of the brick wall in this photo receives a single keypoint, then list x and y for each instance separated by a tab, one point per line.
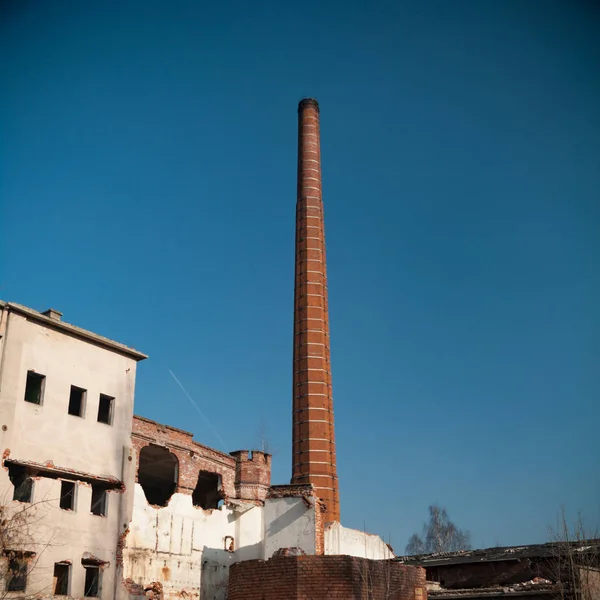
325	578
242	477
252	474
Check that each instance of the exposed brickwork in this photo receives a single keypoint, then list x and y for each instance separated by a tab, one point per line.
320	513
291	491
313	456
252	474
242	478
120	547
325	578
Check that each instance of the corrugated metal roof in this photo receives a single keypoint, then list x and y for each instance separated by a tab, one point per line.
499	554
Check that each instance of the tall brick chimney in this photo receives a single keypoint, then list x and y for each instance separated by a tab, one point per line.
313	451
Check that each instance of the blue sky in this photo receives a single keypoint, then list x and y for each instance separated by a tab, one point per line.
147	188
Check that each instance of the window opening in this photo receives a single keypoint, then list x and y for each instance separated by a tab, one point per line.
61	578
92	581
105	409
99	497
158	474
16	573
67	495
34	388
77	401
21	479
207	493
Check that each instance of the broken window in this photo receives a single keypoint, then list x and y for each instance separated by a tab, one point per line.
157	474
62	571
16	572
92	580
207	493
23	483
67	495
105	409
24	491
99	497
77	401
34	388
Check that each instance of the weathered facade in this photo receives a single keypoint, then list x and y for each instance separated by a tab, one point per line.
66	399
194	511
102	504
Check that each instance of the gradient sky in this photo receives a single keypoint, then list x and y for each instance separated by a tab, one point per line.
147	188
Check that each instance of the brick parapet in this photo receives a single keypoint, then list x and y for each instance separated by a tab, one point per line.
326	578
252	474
292	490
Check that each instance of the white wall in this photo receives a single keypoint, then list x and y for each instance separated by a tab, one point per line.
171	544
183	547
47	434
81	444
341	540
289	523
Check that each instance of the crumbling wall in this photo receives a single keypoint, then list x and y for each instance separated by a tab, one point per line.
188	549
244	475
342	540
186	536
291	519
177	544
325	578
192	457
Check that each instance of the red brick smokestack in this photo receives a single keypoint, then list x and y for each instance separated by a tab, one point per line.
313	451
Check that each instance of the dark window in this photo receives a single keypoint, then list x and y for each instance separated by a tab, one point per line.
24	491
105	409
23	483
61	578
77	401
16	575
67	495
99	497
157	474
34	388
92	581
207	493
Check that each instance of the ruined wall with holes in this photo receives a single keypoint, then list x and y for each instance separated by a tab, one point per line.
326	577
185	542
179	544
342	540
44	441
213	515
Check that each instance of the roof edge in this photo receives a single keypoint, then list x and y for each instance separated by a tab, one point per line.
75	331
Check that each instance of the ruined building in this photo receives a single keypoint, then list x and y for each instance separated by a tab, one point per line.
100	503
568	570
66	402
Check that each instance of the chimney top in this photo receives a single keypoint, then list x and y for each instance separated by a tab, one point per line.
53	314
308	102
